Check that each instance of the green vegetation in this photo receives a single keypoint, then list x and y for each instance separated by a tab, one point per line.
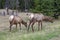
29	36
48	7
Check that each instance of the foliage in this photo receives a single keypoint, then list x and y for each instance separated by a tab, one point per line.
45	6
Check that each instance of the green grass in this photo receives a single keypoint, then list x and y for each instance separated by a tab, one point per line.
40	35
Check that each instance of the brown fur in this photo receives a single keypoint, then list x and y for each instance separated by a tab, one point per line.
39	18
48	19
17	20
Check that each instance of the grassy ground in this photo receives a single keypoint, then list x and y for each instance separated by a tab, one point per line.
49	32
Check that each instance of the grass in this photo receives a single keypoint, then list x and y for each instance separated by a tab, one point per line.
37	35
40	35
50	30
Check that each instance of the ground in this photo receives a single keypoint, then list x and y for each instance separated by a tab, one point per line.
51	31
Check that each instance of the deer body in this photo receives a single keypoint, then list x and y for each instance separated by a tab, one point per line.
39	18
14	20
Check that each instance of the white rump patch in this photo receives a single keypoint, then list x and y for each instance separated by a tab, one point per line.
31	16
11	17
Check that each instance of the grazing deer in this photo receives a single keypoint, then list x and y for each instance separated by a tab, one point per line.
14	20
38	18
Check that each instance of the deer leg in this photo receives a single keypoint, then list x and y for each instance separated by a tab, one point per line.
29	25
41	25
38	26
32	26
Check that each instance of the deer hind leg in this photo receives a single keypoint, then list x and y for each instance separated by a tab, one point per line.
29	25
32	26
